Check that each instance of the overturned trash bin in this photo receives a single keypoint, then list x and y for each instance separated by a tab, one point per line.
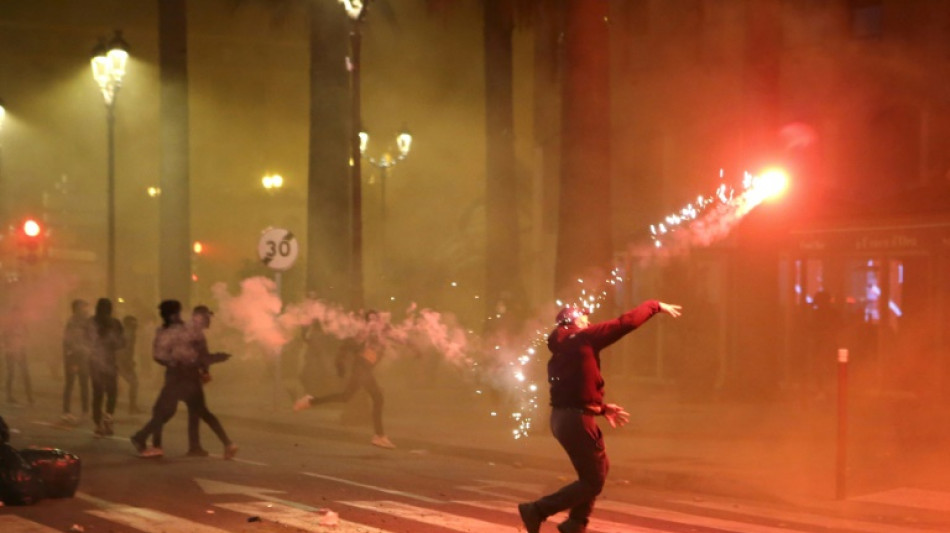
26	476
58	469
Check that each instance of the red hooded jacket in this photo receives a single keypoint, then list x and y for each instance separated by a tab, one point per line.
574	368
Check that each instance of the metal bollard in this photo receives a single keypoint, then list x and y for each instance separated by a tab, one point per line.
841	462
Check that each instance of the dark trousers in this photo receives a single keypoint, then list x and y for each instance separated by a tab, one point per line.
164	409
103	385
166	405
580	437
75	370
198	411
360	377
18	360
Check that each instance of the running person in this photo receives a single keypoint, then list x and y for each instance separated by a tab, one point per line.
365	351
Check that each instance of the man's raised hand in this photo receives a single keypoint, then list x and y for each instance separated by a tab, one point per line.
670	309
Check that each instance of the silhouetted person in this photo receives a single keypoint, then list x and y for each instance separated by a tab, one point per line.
179	350
125	360
577	396
364	351
13	343
77	348
107	340
170	349
197	408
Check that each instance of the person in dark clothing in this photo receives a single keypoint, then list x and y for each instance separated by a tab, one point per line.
13	334
365	350
125	360
577	396
197	409
107	340
178	349
77	347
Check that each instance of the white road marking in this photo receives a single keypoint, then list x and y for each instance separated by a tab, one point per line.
427	516
296	518
143	519
910	497
686	518
803	518
596	524
15	524
238	460
490	488
219	487
372	487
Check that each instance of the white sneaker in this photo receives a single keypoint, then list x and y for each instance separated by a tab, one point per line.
152	452
383	442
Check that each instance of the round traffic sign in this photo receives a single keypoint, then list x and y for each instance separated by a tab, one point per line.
278	248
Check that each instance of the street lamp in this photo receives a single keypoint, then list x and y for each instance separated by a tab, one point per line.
272	182
355	9
386	161
108	68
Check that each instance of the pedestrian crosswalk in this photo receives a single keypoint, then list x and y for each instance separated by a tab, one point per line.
408	515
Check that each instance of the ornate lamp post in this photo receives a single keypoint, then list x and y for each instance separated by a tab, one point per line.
108	69
355	9
386	161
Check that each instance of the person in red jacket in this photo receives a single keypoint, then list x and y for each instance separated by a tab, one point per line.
577	396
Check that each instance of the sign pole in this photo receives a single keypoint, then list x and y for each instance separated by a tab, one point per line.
278	250
279	355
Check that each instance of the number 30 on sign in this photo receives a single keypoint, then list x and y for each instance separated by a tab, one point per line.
278	248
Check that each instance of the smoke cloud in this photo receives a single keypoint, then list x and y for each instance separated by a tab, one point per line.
257	312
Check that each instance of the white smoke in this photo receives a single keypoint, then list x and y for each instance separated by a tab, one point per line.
257	312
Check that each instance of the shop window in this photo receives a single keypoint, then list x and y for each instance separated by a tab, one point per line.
875	291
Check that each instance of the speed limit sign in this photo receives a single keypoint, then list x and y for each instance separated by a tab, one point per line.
278	248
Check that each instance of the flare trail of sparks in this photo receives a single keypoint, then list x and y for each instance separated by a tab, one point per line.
726	202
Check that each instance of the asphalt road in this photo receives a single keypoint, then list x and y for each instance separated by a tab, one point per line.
307	479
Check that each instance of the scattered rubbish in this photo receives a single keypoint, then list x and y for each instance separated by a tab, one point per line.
209	511
253	519
563	478
76	528
270	505
491	463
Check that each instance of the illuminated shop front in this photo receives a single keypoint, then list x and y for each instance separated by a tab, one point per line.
879	289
